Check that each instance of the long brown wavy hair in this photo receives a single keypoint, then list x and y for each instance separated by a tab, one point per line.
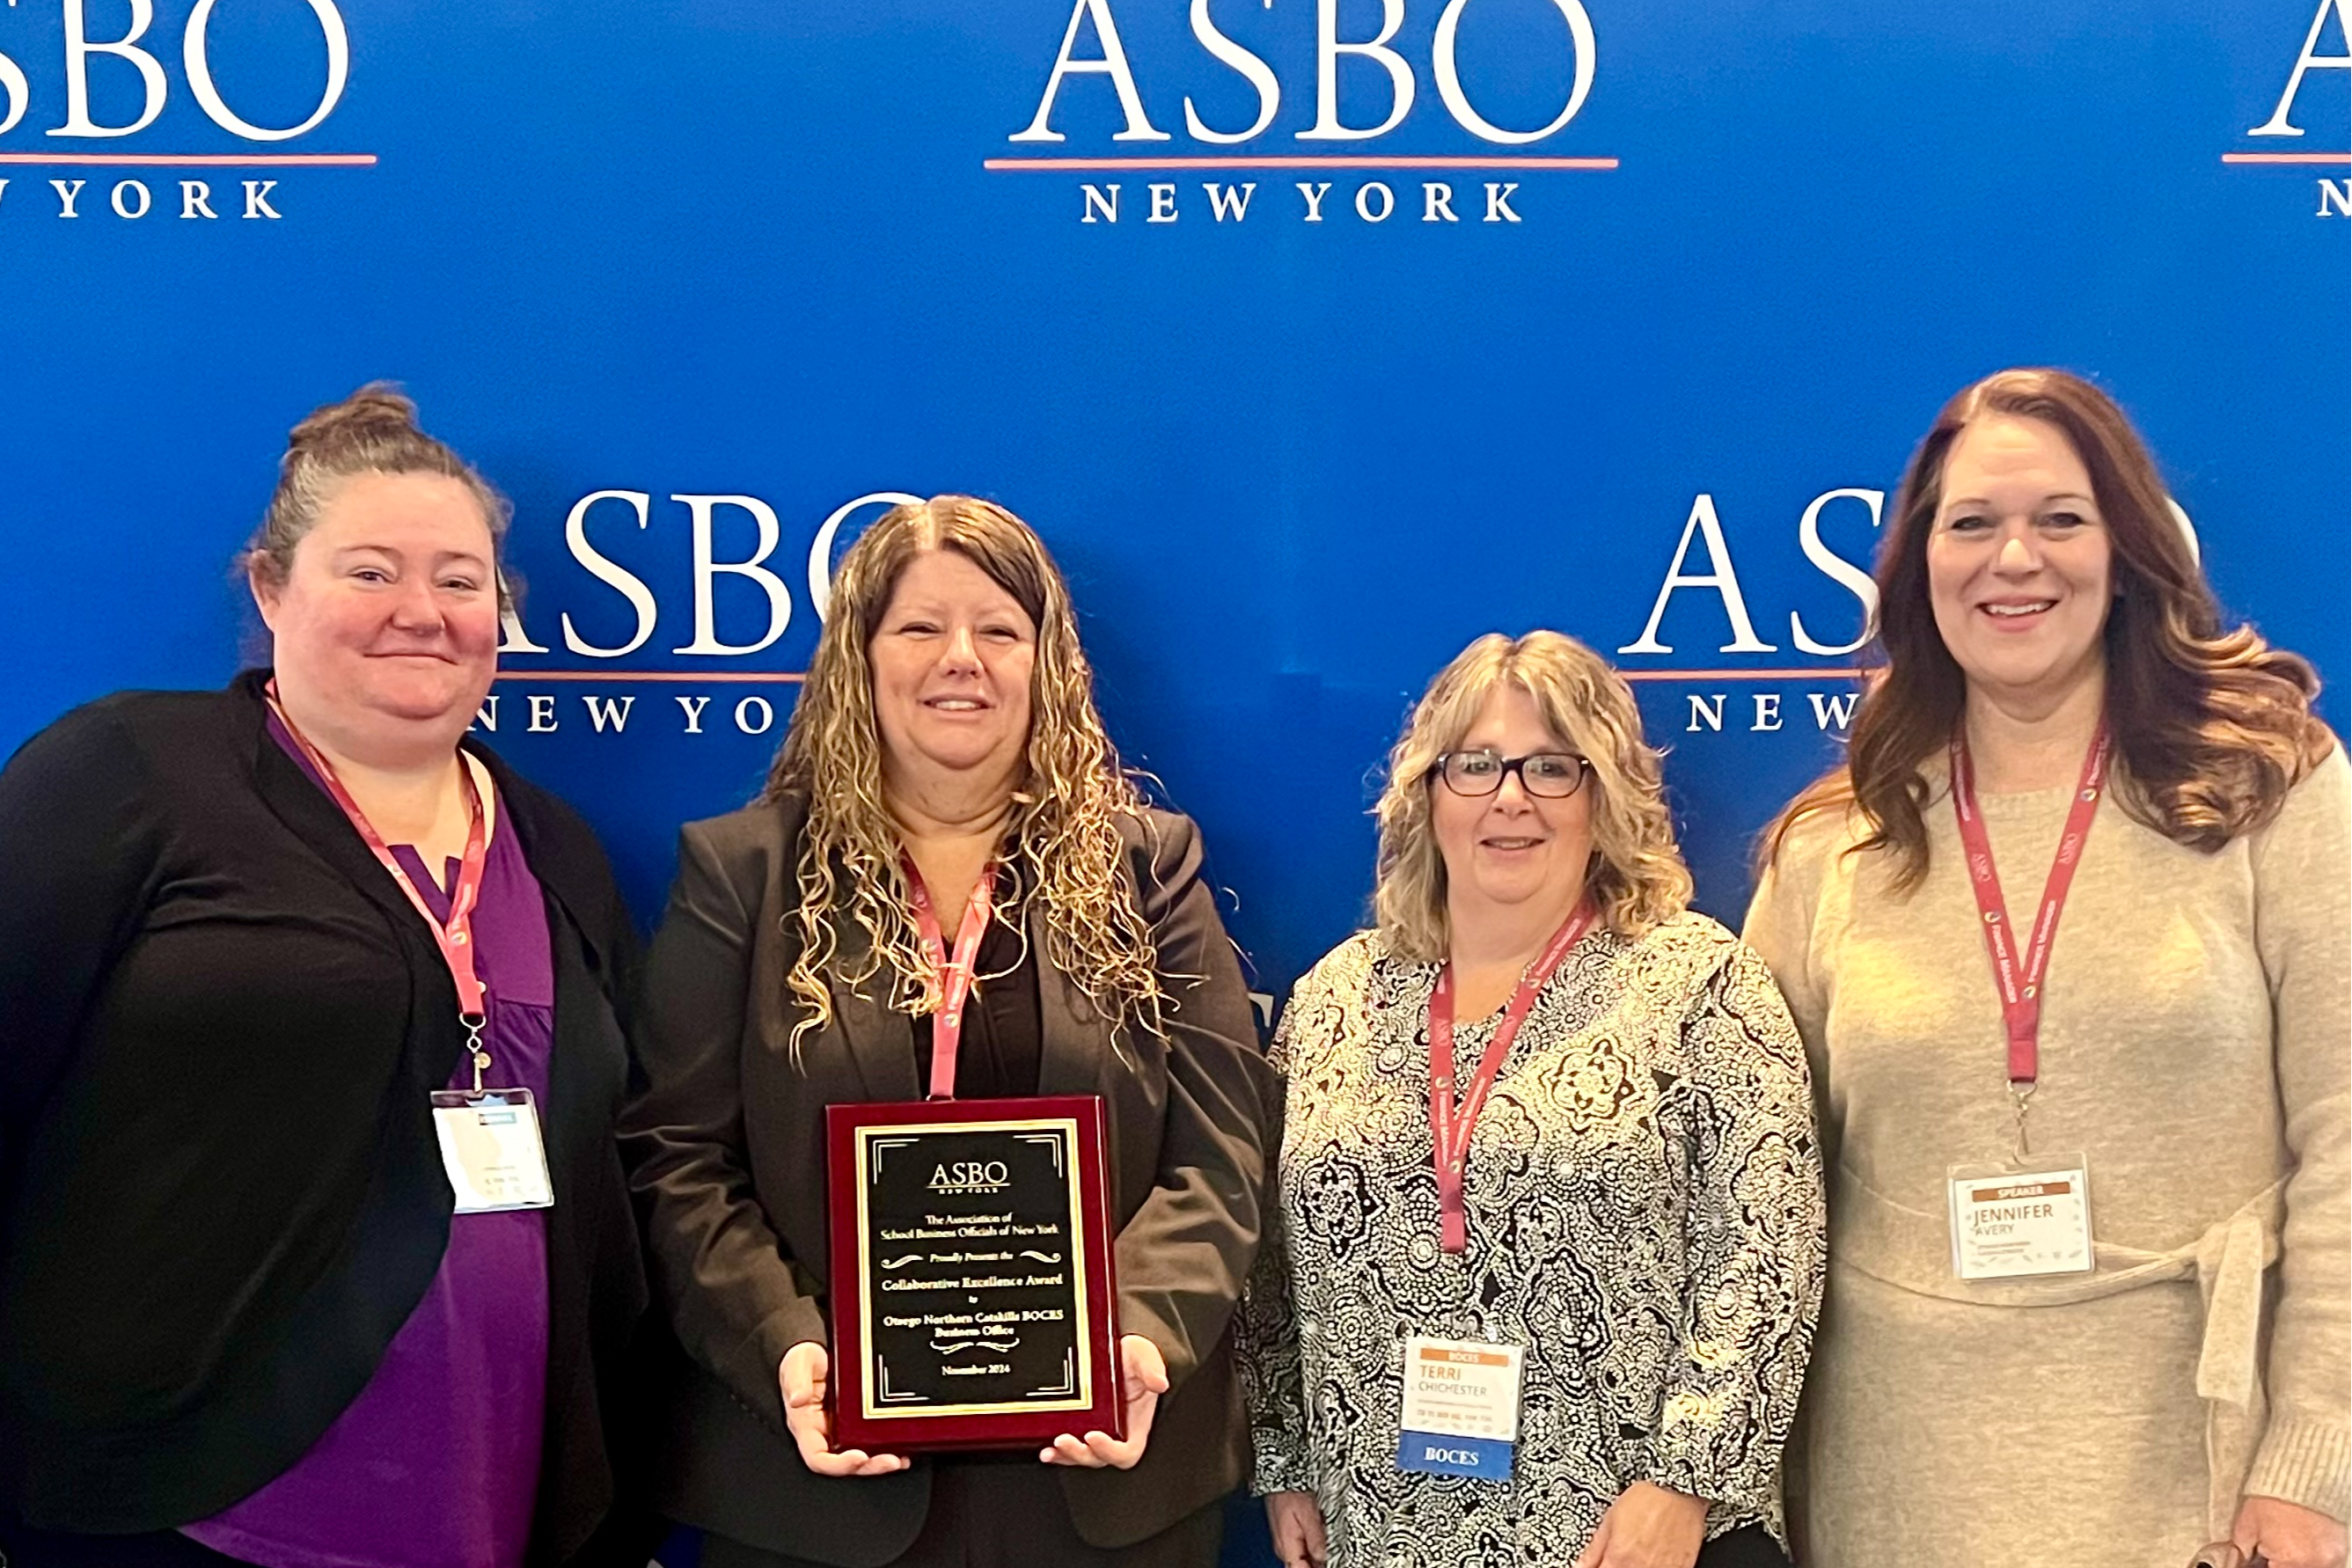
1637	878
2213	726
1063	840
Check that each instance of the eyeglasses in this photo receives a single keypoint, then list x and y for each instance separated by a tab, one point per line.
1549	775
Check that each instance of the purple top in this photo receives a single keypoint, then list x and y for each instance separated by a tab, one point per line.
435	1463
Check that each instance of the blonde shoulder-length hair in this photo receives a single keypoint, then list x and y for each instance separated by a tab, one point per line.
1064	838
1637	876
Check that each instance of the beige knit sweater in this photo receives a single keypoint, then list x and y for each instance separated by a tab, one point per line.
2196	1037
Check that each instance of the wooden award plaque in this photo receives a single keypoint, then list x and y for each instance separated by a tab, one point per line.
973	1293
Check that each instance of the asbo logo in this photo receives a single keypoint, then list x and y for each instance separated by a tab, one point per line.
134	50
1329	47
1248	76
113	80
972	1177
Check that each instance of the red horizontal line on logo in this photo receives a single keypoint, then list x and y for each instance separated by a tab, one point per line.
1741	674
2286	157
1112	165
687	677
195	160
756	678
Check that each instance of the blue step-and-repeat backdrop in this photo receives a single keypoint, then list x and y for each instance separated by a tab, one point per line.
1316	337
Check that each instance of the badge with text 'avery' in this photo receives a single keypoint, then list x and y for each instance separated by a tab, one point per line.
1460	1407
491	1150
2010	1224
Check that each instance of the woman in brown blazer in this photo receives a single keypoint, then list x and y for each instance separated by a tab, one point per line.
947	730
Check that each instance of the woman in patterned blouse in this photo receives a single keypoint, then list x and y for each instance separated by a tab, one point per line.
1638	1212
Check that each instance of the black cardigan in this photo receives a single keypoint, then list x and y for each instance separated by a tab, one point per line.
220	1191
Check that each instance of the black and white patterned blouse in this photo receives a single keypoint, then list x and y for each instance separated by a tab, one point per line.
1646	1216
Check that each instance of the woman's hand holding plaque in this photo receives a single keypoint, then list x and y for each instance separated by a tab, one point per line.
1144	1378
803	1374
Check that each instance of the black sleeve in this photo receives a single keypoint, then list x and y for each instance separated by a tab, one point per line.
718	1263
79	843
1184	1252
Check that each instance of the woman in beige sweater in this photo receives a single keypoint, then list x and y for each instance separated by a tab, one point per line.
2006	1372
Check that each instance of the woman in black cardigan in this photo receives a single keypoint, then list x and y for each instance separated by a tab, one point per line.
254	946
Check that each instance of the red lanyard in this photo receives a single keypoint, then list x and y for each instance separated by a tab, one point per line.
2019	978
955	977
456	937
1450	1129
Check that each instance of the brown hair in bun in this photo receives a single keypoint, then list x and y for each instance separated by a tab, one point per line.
373	431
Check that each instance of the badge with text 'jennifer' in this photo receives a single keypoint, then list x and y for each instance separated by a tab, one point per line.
973	1295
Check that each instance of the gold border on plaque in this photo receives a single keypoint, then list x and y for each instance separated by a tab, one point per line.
1067	1128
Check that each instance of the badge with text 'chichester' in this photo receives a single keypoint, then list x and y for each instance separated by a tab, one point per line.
973	1298
1461	1414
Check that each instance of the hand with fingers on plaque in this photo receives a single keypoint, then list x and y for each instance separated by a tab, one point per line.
804	1377
1143	1371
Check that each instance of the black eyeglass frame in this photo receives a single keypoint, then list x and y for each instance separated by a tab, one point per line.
1505	767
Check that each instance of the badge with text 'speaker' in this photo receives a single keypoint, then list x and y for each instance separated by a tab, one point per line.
973	1301
1461	1411
2008	1224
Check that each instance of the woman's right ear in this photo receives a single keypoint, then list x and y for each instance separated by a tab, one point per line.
265	587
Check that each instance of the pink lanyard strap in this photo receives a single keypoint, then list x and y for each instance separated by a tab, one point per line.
455	937
954	976
2019	980
1450	1129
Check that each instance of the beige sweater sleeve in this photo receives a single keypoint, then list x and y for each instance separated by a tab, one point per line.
2303	915
1780	928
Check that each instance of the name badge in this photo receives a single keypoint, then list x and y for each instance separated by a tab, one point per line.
1460	1407
2007	1224
491	1150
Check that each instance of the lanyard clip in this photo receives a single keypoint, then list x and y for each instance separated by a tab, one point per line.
474	1048
2021	1094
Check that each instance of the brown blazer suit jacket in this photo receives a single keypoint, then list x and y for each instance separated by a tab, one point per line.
725	1147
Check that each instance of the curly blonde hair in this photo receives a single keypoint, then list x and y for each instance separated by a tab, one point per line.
1063	838
1637	878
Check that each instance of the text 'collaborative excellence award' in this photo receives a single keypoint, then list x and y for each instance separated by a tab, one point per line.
974	1299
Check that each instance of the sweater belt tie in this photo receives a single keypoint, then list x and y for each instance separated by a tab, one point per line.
1909	1249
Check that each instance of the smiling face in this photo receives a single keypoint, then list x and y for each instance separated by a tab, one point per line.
385	624
2019	564
950	662
1510	854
